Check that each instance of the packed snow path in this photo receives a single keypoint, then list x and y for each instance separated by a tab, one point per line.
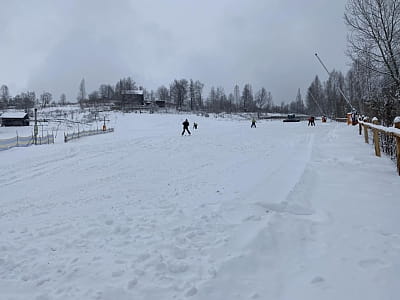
283	211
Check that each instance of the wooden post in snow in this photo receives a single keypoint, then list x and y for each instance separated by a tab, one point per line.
365	130
397	125
375	121
366	133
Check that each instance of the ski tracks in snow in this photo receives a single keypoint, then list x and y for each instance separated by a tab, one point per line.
163	225
144	213
258	258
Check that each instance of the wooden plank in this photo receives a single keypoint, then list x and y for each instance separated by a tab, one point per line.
376	142
375	131
366	133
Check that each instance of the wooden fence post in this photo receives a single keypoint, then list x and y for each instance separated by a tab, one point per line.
366	133
397	125
359	128
398	153
375	121
365	129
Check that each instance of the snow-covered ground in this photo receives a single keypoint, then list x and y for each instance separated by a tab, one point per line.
60	120
283	211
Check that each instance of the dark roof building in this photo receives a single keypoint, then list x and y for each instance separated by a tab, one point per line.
132	98
14	119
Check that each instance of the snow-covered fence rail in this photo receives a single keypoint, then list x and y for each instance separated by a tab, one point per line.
25	141
385	139
79	134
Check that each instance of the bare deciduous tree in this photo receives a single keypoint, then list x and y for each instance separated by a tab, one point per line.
261	98
106	91
179	91
45	99
163	93
82	92
63	99
375	34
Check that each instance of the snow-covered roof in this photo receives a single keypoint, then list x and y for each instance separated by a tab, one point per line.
396	120
13	115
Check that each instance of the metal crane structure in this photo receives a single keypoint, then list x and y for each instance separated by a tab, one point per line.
339	89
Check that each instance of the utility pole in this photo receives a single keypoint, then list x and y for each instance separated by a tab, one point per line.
35	128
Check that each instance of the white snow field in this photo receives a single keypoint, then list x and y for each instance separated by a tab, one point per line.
283	211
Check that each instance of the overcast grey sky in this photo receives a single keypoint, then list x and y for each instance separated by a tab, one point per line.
52	44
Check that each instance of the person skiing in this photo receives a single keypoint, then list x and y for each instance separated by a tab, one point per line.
253	123
194	125
311	121
186	127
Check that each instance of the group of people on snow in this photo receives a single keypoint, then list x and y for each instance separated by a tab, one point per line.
311	122
186	126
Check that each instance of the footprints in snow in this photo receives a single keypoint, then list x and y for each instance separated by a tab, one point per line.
285	207
318	280
371	263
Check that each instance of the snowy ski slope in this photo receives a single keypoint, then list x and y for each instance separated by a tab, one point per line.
283	211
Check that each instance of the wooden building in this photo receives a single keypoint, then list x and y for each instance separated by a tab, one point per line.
133	98
14	119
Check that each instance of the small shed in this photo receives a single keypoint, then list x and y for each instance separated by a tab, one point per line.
14	119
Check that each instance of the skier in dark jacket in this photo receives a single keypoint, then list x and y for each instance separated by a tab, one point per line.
311	121
253	123
185	127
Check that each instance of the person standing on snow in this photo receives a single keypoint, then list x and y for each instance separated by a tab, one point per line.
253	123
313	121
185	127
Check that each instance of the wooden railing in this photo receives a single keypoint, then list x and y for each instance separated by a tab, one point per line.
384	138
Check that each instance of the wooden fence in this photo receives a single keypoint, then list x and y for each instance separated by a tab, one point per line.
385	139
